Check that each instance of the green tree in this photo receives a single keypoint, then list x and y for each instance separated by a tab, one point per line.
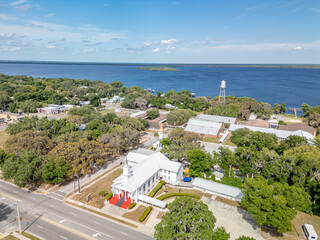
220	234
153	113
245	238
179	143
263	110
55	171
179	117
95	100
186	219
266	205
200	162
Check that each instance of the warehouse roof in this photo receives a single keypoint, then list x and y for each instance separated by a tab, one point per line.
282	134
214	118
203	126
218	188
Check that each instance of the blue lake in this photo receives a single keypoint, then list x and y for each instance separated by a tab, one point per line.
273	85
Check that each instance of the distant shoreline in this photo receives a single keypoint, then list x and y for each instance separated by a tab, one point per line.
299	66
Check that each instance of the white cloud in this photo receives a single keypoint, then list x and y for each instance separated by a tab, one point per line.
51	47
7	17
169	41
48	32
147	43
298	48
23	7
315	10
156	50
15	3
49	15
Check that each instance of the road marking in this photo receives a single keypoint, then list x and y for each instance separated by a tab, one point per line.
9	196
50	205
63	237
39	226
97	223
73	214
62	221
96	234
81	225
124	233
67	228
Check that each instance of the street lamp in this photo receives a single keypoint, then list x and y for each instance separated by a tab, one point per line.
19	220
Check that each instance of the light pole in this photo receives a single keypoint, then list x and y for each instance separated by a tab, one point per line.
19	222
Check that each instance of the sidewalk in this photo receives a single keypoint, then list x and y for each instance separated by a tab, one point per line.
92	176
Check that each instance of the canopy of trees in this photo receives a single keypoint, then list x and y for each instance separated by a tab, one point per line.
179	117
188	219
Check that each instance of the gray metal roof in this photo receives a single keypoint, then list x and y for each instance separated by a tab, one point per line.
203	127
282	134
152	201
218	188
214	118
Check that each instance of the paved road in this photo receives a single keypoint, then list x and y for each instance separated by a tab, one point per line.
50	218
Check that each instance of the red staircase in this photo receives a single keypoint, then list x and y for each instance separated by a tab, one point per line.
126	204
114	199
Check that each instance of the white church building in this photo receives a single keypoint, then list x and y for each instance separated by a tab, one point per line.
142	171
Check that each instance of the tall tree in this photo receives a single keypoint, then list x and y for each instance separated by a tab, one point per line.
186	219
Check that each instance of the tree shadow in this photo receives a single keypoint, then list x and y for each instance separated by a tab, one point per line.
5	210
248	218
5	218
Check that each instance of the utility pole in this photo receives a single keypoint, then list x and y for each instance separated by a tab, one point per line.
19	221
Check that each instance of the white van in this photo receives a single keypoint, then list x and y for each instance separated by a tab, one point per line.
309	232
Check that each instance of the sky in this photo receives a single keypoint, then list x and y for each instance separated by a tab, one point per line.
161	31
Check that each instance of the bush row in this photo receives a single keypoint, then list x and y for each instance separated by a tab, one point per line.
132	205
168	195
145	214
109	196
156	188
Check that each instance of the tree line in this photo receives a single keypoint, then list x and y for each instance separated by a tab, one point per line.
49	151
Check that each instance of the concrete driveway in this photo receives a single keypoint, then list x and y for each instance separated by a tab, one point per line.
237	222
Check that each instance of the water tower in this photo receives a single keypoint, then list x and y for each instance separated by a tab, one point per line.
222	95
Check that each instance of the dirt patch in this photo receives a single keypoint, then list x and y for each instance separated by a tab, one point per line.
160	215
230	202
297	232
3	138
104	184
134	215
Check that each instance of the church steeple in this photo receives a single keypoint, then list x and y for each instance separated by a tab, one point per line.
126	169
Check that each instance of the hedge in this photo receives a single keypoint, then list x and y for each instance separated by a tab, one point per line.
132	205
109	196
168	195
156	188
145	214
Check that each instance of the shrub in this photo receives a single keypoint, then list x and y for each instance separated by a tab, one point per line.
109	196
145	214
156	188
281	122
132	205
165	196
102	193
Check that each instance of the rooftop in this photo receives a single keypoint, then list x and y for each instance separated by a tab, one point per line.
203	126
218	188
279	133
214	118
